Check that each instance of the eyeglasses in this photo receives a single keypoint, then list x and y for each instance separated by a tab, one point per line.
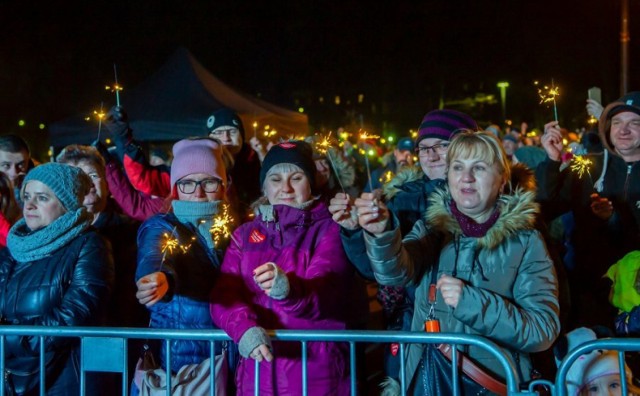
440	148
208	185
233	132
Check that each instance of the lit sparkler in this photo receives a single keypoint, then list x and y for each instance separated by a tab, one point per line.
363	137
100	115
115	87
324	145
580	165
221	227
548	94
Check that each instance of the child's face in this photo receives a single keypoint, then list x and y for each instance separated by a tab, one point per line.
607	385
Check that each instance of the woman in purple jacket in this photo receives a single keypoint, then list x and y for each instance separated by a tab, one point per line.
286	269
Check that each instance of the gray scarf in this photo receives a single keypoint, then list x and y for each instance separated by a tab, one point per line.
198	214
26	245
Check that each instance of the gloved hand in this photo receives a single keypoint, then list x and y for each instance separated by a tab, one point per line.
117	122
102	149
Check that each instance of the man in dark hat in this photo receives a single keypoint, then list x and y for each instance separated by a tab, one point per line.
604	201
225	125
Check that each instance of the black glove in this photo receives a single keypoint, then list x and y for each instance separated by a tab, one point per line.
102	149
117	123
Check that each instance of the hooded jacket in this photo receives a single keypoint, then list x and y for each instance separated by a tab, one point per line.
305	244
510	294
597	243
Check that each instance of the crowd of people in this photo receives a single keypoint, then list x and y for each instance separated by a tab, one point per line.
491	233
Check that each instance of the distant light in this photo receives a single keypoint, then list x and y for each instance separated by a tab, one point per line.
565	141
41	126
391	138
383	140
300	109
50	153
255	124
321	99
107	141
21	123
336	100
371	152
502	84
360	98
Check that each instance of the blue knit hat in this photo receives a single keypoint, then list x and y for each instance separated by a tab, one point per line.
69	183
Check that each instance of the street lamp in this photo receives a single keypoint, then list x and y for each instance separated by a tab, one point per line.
503	85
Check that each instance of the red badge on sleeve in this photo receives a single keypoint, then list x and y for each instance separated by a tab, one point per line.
256	236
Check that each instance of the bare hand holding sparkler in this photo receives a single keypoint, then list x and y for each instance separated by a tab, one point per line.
552	140
152	288
601	207
343	212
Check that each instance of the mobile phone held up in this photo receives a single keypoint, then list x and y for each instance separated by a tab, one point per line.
595	93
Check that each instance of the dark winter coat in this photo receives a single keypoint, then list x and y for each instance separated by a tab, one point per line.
69	287
191	275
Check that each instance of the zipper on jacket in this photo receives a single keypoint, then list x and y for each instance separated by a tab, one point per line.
626	181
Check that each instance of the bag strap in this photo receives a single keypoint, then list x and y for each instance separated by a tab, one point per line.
468	367
473	371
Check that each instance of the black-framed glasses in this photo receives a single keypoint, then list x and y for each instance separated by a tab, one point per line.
233	132
208	185
440	148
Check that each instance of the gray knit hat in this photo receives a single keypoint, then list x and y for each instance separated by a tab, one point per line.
69	183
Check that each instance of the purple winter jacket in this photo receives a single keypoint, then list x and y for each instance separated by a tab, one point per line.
306	245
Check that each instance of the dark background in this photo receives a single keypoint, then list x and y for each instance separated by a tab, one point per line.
404	57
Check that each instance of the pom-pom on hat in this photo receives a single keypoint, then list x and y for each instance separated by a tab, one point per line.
296	152
202	155
69	183
225	117
442	124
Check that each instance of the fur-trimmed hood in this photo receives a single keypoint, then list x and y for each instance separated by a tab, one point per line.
518	211
408	174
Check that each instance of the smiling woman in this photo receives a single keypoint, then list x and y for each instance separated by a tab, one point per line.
478	246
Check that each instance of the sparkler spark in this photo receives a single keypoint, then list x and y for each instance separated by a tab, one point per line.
580	165
324	145
221	227
169	244
548	94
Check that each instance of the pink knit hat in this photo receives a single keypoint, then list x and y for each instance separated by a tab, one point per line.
202	155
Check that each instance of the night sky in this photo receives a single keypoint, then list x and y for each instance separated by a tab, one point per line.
403	56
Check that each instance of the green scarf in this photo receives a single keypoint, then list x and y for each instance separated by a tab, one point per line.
26	245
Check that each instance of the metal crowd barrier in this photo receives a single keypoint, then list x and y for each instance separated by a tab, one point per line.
105	349
621	345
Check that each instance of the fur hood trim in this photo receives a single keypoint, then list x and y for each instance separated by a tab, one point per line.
517	212
406	175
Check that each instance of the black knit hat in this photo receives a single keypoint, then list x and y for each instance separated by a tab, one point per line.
225	117
296	152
